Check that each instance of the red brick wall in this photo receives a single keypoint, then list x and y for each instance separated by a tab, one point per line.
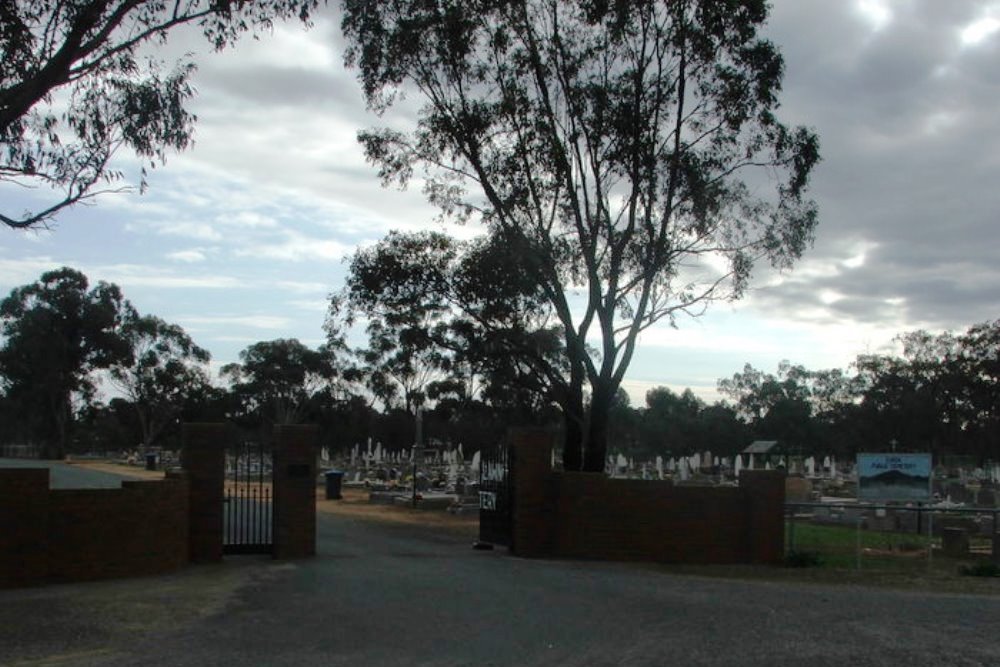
295	491
588	515
24	517
83	534
204	461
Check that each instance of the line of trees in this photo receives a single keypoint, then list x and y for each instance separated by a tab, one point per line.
64	340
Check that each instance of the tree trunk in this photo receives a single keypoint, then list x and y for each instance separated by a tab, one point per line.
572	442
597	431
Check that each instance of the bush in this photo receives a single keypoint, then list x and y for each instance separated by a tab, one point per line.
802	559
981	569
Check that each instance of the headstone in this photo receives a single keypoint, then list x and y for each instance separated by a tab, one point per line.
659	467
475	462
738	465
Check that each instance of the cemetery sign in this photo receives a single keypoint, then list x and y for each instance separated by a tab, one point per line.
884	477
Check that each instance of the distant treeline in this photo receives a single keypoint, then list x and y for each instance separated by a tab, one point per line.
62	339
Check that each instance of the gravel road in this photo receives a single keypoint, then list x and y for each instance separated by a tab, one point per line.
402	596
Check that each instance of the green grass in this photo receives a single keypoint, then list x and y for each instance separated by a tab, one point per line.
837	547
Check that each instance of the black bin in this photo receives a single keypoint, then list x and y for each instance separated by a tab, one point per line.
150	461
333	481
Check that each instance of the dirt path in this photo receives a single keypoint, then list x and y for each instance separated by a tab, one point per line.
354	503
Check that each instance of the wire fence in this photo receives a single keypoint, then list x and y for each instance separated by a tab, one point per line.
880	536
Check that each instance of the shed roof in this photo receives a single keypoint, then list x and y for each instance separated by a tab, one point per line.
760	447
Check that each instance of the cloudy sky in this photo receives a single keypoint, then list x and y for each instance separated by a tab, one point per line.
241	238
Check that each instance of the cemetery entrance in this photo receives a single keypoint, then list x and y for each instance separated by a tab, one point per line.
496	496
248	509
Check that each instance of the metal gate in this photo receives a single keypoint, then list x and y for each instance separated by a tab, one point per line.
496	495
248	511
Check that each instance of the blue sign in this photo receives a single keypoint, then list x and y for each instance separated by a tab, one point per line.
894	477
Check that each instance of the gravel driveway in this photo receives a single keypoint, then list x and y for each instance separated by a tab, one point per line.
389	595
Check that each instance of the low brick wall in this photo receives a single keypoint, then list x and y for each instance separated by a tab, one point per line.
591	516
49	536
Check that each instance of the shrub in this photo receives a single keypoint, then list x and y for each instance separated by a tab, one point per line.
802	559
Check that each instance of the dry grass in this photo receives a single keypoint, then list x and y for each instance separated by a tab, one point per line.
355	505
131	472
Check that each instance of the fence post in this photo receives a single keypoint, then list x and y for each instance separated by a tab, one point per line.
791	530
857	553
995	551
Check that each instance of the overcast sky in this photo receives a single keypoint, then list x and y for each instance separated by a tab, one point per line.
241	238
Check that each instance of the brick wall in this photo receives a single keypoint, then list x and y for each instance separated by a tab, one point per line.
64	535
295	491
588	515
204	460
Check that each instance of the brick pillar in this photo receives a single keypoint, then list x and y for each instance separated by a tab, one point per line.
765	502
24	526
531	467
295	491
203	458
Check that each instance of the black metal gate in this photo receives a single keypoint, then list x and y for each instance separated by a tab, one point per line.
496	495
248	509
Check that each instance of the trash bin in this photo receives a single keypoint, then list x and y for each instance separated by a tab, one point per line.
150	461
333	481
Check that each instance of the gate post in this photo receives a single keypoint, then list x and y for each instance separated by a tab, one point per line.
203	459
295	490
531	471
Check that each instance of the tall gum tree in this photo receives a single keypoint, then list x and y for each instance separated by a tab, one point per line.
629	150
55	333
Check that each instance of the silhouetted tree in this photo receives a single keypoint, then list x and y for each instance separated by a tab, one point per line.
166	368
56	331
276	381
606	145
75	88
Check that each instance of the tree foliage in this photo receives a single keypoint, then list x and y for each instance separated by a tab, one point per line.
164	371
56	332
74	88
617	148
277	381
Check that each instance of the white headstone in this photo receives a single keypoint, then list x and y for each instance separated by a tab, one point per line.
738	465
684	472
659	467
475	462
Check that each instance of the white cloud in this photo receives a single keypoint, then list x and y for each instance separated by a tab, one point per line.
188	256
296	247
272	322
876	13
980	30
137	275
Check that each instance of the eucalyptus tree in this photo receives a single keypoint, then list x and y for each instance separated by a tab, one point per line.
165	371
629	151
56	332
76	86
277	381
